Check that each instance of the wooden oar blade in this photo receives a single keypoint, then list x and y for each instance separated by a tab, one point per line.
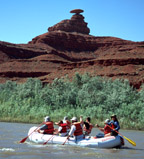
48	140
65	141
130	141
23	140
45	143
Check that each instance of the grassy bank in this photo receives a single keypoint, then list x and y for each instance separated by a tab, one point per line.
88	96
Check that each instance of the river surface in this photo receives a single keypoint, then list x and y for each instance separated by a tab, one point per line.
12	133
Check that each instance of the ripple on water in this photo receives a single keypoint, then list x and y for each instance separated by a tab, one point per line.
7	150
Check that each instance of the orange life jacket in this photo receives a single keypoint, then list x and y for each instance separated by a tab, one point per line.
64	128
112	125
79	130
88	130
50	128
68	124
107	129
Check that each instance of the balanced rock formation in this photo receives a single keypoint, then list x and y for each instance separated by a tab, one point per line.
68	48
70	35
75	24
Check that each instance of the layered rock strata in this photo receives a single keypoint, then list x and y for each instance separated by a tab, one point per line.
66	49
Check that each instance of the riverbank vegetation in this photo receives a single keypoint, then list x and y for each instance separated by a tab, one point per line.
96	97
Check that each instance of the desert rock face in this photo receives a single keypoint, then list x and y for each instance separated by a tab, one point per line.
67	48
67	41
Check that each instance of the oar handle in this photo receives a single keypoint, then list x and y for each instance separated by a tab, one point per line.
35	129
114	130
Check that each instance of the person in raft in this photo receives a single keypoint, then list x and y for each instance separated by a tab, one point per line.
106	129
62	130
48	127
65	120
87	126
76	129
114	123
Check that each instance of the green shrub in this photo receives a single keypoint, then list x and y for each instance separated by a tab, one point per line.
85	95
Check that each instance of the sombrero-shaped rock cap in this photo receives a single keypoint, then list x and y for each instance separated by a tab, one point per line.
77	11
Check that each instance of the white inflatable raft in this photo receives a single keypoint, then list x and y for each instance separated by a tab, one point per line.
107	142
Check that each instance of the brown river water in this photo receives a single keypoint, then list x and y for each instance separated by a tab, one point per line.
12	133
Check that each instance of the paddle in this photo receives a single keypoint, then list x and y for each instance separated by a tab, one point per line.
65	141
24	139
48	140
129	140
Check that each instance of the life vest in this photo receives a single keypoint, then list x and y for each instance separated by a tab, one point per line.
113	125
88	130
107	129
50	128
68	124
79	130
64	128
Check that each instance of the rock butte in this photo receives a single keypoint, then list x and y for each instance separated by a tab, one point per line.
75	24
67	48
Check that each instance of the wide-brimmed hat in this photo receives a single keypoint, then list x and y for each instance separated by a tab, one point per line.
113	115
74	119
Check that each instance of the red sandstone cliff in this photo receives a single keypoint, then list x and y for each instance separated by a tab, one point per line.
66	49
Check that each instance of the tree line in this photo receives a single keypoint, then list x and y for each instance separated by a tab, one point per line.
96	97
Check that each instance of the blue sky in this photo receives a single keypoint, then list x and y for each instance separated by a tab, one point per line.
22	20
